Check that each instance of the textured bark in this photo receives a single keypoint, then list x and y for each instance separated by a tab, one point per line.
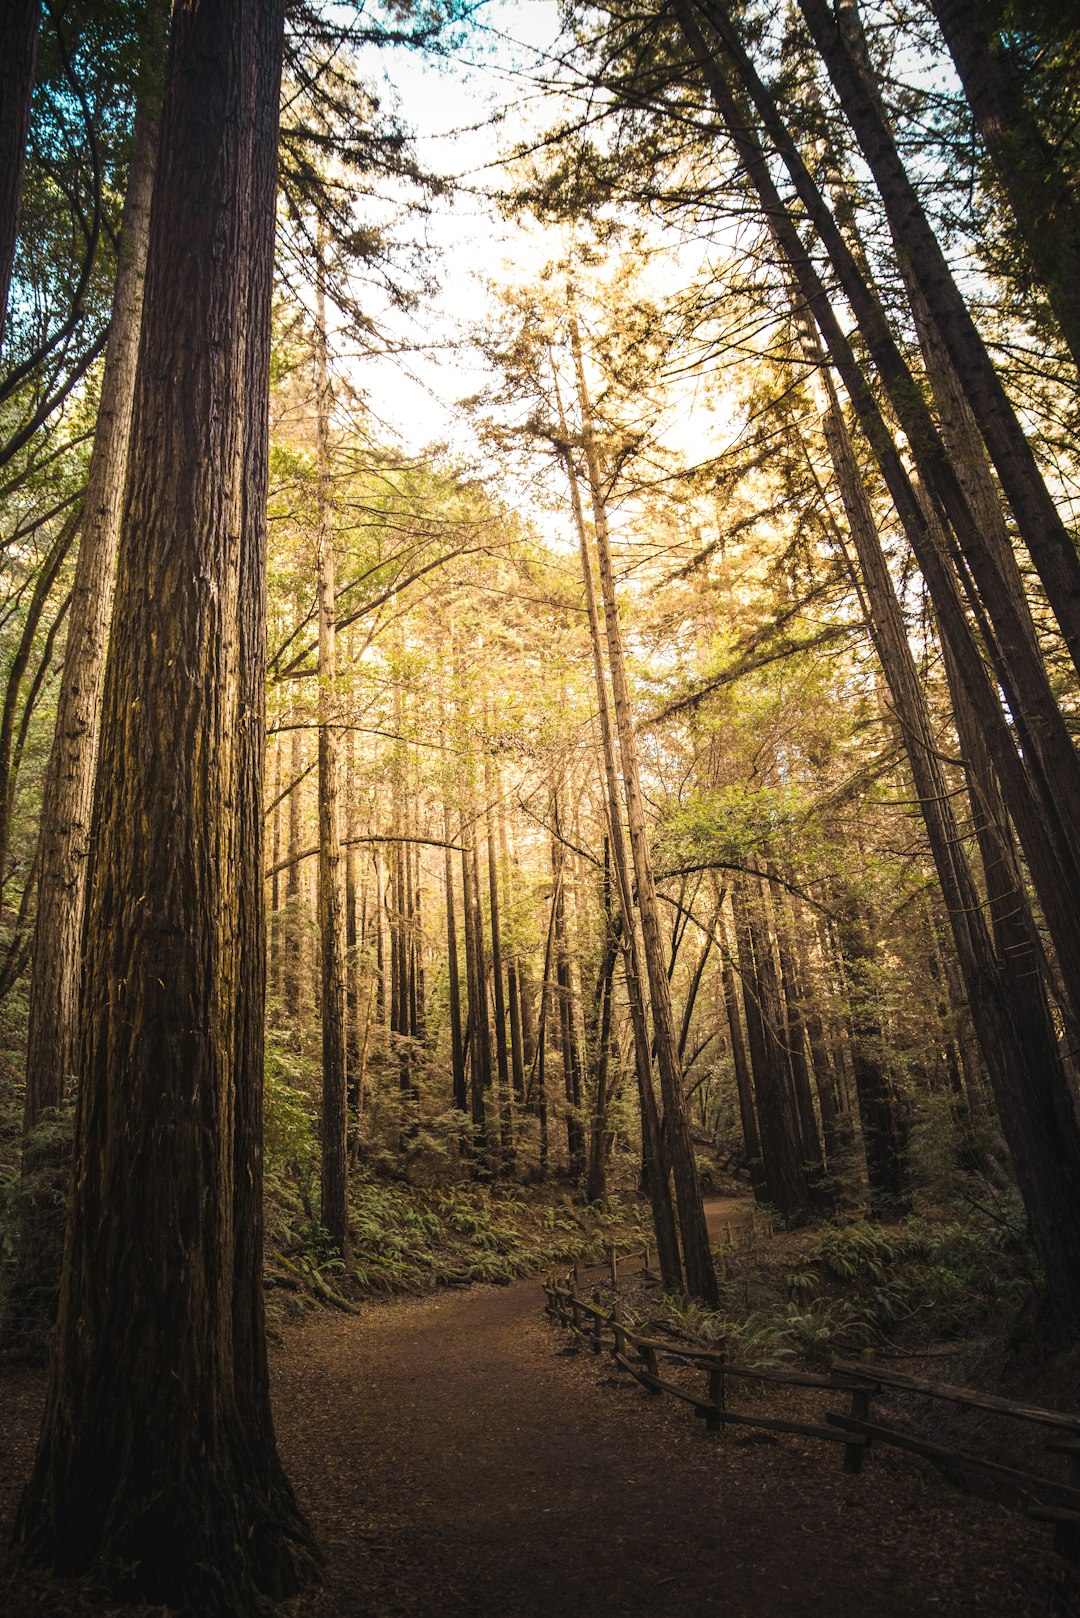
69	778
656	1176
64	837
334	1205
1040	194
18	54
697	1257
156	1464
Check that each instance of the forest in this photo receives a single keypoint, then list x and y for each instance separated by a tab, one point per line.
539	709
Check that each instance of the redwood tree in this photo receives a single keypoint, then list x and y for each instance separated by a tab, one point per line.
157	1464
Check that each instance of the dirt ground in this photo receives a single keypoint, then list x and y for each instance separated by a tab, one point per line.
457	1456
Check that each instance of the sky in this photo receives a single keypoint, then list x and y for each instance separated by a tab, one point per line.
450	108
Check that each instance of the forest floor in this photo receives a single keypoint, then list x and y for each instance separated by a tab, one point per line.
457	1456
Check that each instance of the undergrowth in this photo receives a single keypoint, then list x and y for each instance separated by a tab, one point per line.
407	1239
851	1286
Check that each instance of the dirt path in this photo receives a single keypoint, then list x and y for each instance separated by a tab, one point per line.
456	1458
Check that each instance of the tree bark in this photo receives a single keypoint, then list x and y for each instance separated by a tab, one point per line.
156	1463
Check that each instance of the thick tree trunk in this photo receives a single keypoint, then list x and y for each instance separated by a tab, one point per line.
156	1464
697	1257
334	1202
18	54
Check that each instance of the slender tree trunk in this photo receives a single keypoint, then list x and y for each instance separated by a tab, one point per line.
841	42
518	1057
294	938
655	1171
457	1050
600	1133
1041	787
744	1084
335	1168
697	1257
502	1055
778	1119
156	1463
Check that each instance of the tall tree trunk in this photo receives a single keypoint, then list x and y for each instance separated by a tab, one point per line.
600	1131
883	1136
840	40
697	1257
744	1084
64	837
53	1036
656	1175
778	1119
156	1463
1042	782
18	54
518	1058
502	1055
294	931
457	1051
335	1169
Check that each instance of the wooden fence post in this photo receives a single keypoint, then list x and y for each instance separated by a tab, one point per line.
652	1365
716	1393
597	1337
860	1410
620	1337
613	1264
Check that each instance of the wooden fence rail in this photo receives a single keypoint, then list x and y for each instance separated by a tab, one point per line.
1044	1499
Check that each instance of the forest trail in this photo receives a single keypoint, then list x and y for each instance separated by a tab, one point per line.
457	1458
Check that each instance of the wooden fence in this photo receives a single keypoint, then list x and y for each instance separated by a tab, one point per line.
855	1428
